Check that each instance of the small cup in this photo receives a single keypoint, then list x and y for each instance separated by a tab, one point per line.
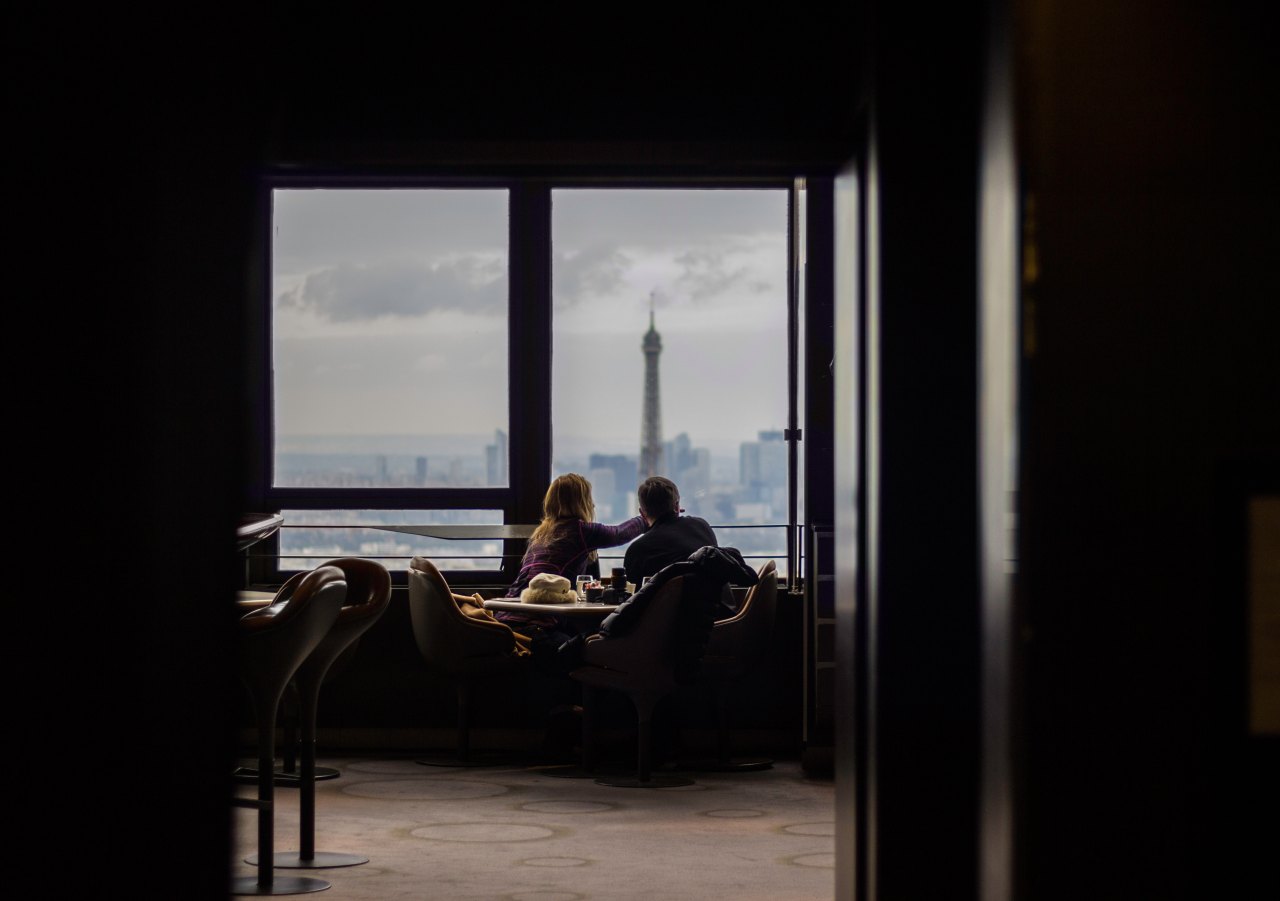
583	582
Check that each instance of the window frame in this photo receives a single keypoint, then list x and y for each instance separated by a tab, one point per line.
529	388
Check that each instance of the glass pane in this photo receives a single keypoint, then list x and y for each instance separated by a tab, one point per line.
380	300
699	277
310	537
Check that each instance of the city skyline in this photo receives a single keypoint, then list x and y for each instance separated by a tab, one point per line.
480	455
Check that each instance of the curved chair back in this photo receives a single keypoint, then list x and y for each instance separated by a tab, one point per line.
643	659
743	638
446	637
276	639
368	596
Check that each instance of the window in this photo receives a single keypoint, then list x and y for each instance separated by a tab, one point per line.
380	299
670	353
438	351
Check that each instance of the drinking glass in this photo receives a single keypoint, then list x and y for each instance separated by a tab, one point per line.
583	582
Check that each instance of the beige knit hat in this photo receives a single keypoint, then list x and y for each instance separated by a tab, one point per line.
548	588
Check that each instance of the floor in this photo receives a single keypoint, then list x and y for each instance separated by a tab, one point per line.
522	834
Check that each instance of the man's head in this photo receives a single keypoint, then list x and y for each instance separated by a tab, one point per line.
658	497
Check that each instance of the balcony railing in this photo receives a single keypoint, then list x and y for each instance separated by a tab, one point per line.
479	549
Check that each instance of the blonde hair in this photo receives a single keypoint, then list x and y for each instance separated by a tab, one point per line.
568	497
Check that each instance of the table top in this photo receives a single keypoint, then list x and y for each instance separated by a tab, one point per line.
256	526
517	606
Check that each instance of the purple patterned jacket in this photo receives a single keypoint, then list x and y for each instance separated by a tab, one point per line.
566	555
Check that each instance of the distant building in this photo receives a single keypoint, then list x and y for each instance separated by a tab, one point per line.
495	460
678	454
762	468
690	468
420	471
614	479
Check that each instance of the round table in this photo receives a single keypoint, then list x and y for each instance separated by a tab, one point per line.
514	605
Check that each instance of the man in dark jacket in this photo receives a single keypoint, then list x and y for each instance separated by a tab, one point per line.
669	537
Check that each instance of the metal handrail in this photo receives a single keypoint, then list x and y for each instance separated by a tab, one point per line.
508	531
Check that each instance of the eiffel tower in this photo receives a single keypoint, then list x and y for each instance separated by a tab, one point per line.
651	427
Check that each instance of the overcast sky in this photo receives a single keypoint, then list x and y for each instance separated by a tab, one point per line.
390	312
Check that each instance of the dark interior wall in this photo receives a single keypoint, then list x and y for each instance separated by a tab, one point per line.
695	93
126	211
1150	395
919	501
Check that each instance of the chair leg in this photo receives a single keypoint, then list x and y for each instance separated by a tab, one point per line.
464	720
307	788
722	727
286	772
724	762
465	757
307	858
644	750
266	795
266	882
586	768
290	720
588	729
645	778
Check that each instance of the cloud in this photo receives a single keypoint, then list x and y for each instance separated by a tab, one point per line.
596	270
348	292
706	273
662	219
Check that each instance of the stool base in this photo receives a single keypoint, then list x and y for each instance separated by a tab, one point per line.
321	860
246	775
732	765
281	885
656	780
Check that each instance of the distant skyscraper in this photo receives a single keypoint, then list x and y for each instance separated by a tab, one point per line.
495	459
613	481
689	467
763	467
651	427
420	470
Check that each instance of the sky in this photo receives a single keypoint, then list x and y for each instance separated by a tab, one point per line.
390	312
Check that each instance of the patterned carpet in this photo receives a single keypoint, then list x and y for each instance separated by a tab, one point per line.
520	834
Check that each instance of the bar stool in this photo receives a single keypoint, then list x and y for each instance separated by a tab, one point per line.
286	772
273	642
367	598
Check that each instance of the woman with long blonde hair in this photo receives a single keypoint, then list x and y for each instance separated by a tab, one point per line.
566	540
564	544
